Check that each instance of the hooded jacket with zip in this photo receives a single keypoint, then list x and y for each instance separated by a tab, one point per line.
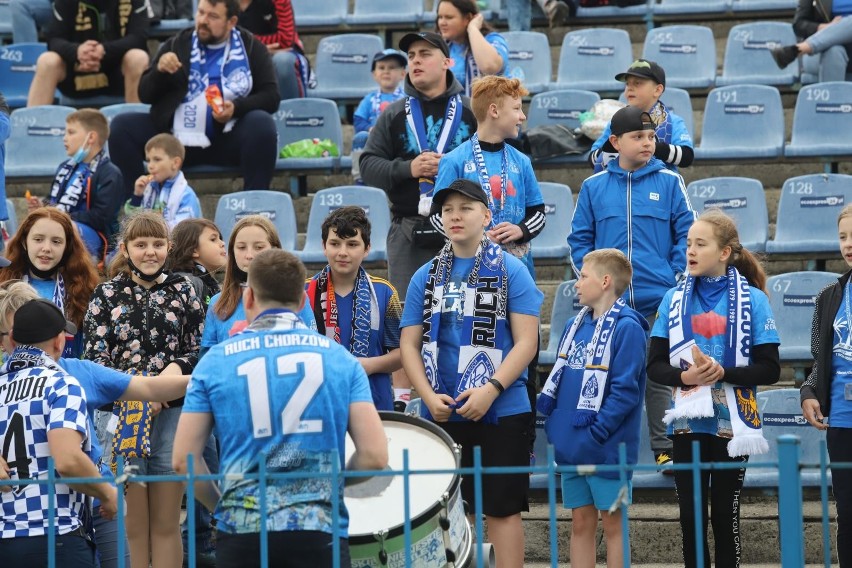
810	14
645	214
391	147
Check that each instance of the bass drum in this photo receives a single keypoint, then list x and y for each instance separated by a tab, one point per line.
440	533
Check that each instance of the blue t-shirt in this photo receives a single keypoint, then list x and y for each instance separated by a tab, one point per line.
522	189
216	330
841	8
254	385
841	366
382	340
458	56
366	113
213	57
709	330
524	298
45	289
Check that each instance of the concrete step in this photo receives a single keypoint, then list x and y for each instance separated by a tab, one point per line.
656	538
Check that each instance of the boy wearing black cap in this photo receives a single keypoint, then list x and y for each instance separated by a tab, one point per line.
644	84
388	72
469	330
403	150
640	207
43	415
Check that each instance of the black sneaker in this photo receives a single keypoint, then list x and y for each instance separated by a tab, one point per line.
557	12
784	55
664	461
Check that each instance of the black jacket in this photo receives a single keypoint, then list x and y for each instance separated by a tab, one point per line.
818	383
164	92
810	14
125	27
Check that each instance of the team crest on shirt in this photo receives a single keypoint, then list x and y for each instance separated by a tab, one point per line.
477	373
747	407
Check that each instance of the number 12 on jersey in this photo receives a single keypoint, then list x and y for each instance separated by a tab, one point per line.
308	367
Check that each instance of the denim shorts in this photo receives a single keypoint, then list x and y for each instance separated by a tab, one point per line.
163	427
581	490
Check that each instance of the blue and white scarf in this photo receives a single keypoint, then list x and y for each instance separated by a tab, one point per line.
365	310
73	182
596	372
697	401
58	290
190	121
484	327
275	320
165	197
417	125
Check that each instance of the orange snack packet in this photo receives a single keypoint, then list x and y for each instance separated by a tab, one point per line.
215	99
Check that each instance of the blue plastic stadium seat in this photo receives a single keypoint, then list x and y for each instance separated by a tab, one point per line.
591	58
742	121
683	7
747	57
529	59
35	148
558	208
373	200
111	111
377	12
791	297
276	206
822	121
648	478
565	306
343	66
679	102
806	212
17	69
12	221
310	13
687	53
168	28
561	107
763	5
741	198
781	413
298	119
5	19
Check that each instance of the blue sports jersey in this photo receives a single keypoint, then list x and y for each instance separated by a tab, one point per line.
283	393
366	114
709	330
213	58
841	366
216	330
522	189
458	55
524	298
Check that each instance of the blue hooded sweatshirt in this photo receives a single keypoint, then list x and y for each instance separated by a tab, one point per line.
618	419
646	215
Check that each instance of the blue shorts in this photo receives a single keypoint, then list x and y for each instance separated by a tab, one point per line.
581	490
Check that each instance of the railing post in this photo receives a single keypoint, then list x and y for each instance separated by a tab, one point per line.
477	505
551	500
790	502
190	511
51	513
406	504
623	503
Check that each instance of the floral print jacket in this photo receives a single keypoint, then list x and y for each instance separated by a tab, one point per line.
130	327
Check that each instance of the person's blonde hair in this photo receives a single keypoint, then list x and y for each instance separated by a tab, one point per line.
725	231
168	144
613	262
92	120
493	89
13	295
845	212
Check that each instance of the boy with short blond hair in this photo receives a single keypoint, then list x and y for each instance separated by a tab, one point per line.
87	186
355	309
505	174
165	188
644	84
593	398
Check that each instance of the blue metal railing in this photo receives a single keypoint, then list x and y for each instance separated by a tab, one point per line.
790	497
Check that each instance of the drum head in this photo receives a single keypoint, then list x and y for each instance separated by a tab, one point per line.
429	448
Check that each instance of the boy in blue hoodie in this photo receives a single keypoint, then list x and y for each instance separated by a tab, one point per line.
592	406
641	208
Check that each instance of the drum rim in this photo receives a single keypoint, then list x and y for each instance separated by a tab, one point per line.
428	514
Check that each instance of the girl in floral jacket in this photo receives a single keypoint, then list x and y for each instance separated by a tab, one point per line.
149	320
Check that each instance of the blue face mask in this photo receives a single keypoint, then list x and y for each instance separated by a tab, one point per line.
80	154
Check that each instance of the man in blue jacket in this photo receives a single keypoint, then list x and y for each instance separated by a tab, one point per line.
640	207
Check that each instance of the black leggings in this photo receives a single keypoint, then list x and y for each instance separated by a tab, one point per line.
287	549
840	451
724	499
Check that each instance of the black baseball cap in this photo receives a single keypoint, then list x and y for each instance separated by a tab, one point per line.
428	37
39	320
465	187
646	70
390	53
630	119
